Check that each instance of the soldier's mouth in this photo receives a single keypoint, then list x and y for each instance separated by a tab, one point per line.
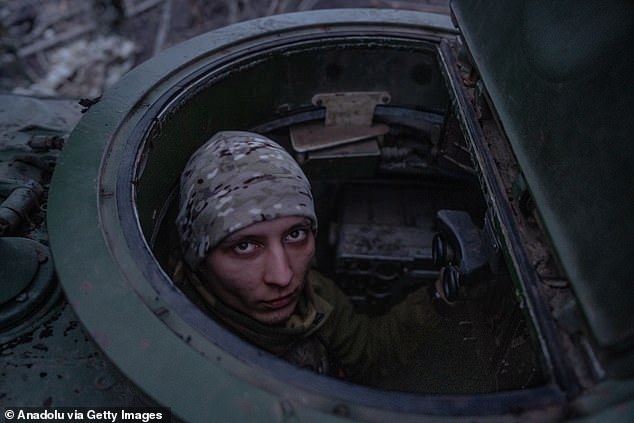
281	302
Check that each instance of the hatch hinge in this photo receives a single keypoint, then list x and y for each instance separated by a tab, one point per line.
349	119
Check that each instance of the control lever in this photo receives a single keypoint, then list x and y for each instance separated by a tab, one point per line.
459	247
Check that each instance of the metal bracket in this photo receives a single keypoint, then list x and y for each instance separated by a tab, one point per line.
348	119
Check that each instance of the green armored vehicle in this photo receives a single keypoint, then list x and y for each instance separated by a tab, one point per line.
494	143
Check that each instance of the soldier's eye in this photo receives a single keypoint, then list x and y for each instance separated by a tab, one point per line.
244	247
297	235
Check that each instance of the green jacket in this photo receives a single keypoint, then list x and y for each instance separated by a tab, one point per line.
364	345
328	336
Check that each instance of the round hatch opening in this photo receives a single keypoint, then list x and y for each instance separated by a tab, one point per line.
119	174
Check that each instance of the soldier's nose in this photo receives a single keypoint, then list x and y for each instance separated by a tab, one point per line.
278	268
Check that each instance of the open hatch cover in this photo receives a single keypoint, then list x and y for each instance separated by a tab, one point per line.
560	77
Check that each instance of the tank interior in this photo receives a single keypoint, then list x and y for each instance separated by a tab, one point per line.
370	120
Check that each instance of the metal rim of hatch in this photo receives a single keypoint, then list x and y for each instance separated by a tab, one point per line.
128	305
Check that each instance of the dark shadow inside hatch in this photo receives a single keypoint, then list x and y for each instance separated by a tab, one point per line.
405	184
484	343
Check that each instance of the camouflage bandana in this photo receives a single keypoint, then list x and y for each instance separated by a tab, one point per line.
234	180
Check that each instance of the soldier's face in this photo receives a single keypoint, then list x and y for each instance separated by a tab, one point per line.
260	270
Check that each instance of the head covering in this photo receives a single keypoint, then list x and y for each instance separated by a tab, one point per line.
234	180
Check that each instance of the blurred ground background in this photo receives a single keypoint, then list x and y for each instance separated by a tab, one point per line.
77	48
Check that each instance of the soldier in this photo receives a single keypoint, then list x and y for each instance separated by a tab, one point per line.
247	228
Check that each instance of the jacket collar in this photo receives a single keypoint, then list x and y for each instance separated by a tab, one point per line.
310	314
